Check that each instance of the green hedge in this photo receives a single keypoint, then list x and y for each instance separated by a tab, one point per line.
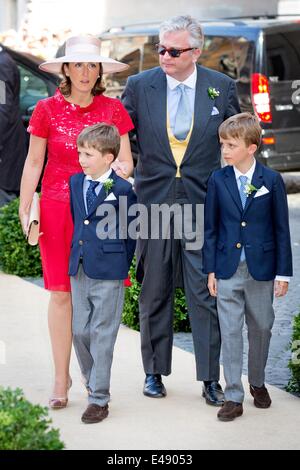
131	308
16	256
24	426
294	363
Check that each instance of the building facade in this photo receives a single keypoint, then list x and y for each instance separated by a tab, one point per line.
94	16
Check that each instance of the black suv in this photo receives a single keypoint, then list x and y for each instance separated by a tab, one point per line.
261	54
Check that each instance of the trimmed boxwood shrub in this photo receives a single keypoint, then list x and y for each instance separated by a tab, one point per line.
294	363
24	426
16	256
131	307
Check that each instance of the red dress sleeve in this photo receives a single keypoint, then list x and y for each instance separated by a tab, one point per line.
121	118
40	120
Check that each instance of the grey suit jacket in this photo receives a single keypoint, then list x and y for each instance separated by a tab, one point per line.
145	98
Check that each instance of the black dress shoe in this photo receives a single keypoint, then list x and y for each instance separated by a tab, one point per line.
154	387
213	394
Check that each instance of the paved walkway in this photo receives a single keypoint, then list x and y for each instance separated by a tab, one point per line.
180	421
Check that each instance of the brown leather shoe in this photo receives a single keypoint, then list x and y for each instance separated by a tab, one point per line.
261	396
94	414
230	410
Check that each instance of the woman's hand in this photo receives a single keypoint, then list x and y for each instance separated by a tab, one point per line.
121	168
212	284
24	219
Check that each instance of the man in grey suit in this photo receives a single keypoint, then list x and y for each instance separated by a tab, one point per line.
177	109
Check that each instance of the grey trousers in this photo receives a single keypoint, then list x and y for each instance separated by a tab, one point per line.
239	298
97	309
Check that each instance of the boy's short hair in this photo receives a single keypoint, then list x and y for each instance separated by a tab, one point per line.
244	126
103	137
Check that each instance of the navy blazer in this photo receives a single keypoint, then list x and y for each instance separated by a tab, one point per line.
107	258
145	98
262	227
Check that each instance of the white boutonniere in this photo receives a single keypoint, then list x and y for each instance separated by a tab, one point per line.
250	188
212	92
108	184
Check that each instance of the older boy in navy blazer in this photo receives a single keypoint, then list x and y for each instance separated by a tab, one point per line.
247	255
101	255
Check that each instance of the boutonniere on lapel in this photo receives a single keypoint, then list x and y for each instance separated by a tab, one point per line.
212	92
108	184
250	188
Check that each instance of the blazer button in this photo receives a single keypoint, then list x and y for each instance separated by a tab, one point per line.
80	242
243	224
239	245
86	222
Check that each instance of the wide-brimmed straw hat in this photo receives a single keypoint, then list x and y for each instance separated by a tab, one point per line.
83	49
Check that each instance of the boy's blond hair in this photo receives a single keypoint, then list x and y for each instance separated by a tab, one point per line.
244	126
103	137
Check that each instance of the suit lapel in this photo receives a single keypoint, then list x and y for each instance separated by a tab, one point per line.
231	184
156	97
202	111
78	192
257	181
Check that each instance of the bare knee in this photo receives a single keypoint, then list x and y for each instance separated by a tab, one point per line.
60	299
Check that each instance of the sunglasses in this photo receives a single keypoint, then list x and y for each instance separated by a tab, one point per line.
171	51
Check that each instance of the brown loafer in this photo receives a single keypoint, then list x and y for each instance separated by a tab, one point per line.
94	414
261	396
230	410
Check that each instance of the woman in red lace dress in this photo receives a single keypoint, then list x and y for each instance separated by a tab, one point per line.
55	125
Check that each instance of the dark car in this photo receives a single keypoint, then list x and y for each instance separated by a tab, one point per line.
262	55
35	84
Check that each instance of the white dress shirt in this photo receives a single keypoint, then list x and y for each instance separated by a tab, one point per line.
173	95
249	175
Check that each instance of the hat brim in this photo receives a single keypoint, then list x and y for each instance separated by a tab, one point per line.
109	65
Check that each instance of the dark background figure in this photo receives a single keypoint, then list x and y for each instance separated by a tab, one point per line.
13	139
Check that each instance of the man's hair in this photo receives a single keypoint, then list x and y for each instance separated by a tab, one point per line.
103	137
244	126
184	23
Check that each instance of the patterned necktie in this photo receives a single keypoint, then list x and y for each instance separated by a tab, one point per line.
243	195
91	195
183	119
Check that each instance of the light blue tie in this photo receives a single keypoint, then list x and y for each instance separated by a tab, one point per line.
183	119
243	195
91	195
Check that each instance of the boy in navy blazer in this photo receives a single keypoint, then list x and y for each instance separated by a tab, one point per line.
247	256
100	259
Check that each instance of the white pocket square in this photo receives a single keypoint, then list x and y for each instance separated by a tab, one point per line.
110	197
261	191
215	111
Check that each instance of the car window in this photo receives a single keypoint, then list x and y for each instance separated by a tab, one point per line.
229	55
128	50
32	89
283	55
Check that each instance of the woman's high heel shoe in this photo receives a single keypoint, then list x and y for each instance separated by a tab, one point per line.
59	403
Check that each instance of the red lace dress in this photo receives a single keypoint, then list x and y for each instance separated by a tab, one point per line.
60	122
